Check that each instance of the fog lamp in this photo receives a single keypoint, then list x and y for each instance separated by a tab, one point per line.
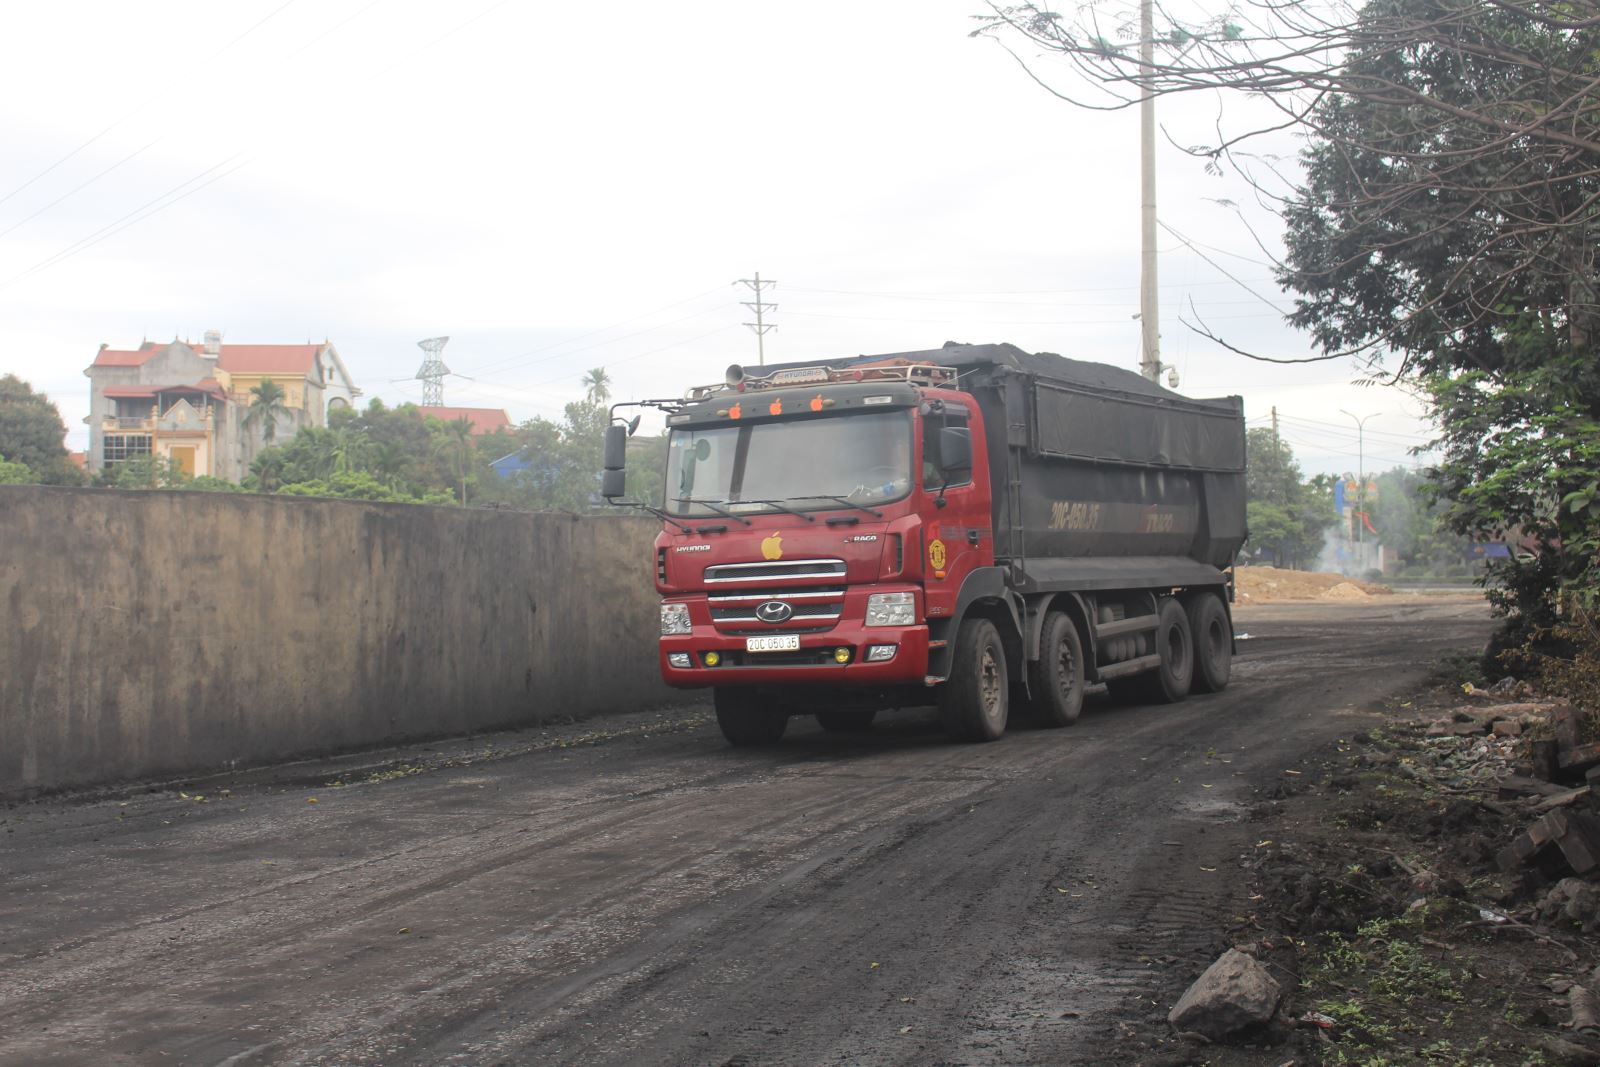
841	655
712	658
679	660
880	653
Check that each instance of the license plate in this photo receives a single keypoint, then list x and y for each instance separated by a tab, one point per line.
775	643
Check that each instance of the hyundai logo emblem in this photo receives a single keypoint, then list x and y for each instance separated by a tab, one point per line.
774	612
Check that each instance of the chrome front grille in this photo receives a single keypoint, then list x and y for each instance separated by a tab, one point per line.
812	605
788	570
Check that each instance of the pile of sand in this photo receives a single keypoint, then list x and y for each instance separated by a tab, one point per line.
1269	583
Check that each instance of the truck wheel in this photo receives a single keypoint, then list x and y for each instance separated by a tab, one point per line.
746	720
1056	681
973	702
1213	644
846	722
1169	683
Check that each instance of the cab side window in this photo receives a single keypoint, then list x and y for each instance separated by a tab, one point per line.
934	473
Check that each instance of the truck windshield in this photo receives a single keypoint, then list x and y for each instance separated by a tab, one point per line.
863	458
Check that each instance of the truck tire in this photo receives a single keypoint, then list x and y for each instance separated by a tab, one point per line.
1056	681
1168	682
973	703
846	722
746	720
1213	644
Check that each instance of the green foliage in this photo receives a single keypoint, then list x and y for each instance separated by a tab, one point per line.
1470	254
401	454
207	483
361	485
1285	514
31	433
15	473
145	472
565	458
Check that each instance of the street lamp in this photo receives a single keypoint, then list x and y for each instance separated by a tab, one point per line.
1361	473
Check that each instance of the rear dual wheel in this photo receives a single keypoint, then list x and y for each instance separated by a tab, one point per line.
1169	682
1213	644
1056	681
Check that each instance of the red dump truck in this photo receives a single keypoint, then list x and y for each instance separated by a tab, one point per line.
974	527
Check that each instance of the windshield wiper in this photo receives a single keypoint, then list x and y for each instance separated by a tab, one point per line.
712	504
846	501
781	506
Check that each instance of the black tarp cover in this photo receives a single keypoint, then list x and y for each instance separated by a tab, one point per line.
1092	411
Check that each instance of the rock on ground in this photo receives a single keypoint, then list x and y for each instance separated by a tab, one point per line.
1234	994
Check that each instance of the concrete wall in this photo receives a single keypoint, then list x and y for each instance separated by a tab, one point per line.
150	633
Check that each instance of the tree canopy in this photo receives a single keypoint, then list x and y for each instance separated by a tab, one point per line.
33	435
1443	223
1286	516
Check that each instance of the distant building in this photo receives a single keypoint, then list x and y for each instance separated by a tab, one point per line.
189	404
484	420
510	464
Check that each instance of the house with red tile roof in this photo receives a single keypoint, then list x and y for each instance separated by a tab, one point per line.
189	403
484	420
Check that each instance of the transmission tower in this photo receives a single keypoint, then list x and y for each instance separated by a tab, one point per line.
761	325
433	371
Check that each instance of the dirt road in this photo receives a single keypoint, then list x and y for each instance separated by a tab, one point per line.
653	897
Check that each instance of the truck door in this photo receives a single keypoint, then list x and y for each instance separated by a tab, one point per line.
958	536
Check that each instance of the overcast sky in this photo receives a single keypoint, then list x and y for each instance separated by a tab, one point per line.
564	186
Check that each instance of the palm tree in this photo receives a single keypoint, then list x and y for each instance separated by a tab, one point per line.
388	461
455	441
349	448
266	404
268	470
597	385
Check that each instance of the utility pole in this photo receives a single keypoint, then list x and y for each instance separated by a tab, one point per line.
1277	452
760	326
1361	470
1149	313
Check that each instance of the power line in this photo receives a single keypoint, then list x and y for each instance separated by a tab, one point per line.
995	322
929	294
77	189
137	215
140	107
513	360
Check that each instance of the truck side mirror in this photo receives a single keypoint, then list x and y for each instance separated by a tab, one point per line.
616	448
955	448
612	483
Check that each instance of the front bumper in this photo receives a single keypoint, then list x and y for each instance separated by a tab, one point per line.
813	663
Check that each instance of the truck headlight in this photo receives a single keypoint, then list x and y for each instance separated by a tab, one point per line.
891	609
674	619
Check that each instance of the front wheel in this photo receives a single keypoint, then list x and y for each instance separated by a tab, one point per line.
973	703
745	720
